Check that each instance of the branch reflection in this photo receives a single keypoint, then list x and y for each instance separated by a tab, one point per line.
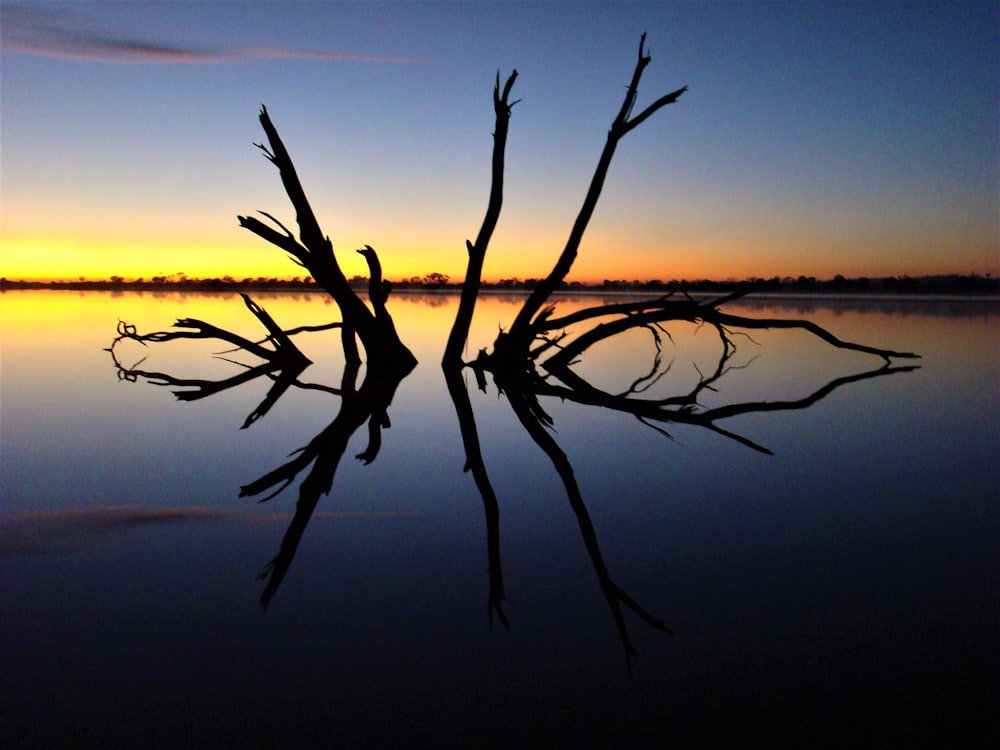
524	380
283	362
548	368
369	403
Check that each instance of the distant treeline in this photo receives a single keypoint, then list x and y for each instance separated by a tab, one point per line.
941	284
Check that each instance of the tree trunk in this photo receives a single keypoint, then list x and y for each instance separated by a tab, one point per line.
314	251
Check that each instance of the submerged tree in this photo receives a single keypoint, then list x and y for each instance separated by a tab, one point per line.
314	251
535	334
534	359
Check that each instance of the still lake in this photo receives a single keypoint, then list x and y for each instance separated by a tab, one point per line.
845	589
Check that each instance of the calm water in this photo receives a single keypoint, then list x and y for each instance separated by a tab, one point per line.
845	588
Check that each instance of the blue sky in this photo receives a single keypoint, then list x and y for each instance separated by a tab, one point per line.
816	138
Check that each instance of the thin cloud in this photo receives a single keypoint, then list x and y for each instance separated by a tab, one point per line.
29	31
55	529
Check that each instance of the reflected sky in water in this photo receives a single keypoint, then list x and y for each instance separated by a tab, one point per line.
842	588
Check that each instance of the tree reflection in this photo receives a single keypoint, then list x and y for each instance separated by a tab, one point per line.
535	359
282	361
367	404
562	381
548	373
524	388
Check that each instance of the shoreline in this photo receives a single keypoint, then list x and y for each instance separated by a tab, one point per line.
952	287
899	302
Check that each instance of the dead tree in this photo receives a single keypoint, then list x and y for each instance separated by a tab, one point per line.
452	361
534	359
513	348
538	339
515	342
510	351
314	251
281	359
477	252
388	360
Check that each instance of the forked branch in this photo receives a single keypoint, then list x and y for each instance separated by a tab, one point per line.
519	337
314	251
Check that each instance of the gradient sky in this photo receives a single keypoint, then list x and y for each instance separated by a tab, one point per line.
816	138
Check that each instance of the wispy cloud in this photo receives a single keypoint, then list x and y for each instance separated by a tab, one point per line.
54	529
46	33
62	528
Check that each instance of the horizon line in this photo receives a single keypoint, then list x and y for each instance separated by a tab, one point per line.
445	281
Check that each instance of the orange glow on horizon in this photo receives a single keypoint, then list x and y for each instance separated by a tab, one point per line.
69	259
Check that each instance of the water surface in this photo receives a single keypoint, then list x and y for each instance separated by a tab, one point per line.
842	589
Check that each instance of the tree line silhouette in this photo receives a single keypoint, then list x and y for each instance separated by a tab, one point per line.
937	284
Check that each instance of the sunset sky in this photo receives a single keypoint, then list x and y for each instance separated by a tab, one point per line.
815	139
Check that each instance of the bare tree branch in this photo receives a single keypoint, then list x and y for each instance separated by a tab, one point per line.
314	251
309	231
477	252
517	339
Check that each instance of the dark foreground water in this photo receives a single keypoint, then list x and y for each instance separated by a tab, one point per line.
843	591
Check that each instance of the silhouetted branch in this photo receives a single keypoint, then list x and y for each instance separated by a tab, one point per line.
315	252
285	359
369	403
192	329
283	352
515	342
477	252
378	288
309	231
523	401
806	325
683	409
474	463
452	360
649	312
286	242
